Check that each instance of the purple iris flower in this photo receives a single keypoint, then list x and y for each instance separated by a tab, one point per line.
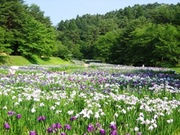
102	131
90	128
113	127
41	118
53	126
32	133
10	113
18	116
114	132
63	133
98	125
73	118
58	125
6	126
49	130
67	127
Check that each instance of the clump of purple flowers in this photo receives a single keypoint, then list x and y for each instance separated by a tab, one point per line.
102	131
50	130
58	125
67	127
32	133
41	118
113	126
90	128
114	132
6	126
113	129
11	113
18	116
54	128
73	118
98	125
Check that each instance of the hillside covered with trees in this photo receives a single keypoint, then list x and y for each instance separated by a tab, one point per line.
142	34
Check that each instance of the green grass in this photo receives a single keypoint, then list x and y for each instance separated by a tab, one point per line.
177	69
20	61
16	60
52	61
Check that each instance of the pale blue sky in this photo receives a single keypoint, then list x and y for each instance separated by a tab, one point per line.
59	10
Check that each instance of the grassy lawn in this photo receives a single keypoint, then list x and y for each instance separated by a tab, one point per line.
20	61
15	60
177	69
52	61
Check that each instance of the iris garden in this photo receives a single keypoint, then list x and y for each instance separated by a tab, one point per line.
99	100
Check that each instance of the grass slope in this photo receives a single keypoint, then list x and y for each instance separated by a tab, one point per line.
177	69
52	61
20	61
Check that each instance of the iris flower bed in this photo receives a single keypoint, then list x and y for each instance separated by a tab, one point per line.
98	100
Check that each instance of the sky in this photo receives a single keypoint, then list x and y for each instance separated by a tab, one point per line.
59	10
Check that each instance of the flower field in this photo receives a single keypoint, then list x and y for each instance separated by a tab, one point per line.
97	100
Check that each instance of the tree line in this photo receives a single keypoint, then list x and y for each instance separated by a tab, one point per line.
141	34
25	31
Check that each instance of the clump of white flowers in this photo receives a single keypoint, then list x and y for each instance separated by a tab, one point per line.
12	70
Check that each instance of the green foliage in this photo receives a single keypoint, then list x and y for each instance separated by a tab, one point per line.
149	35
3	59
80	34
26	31
40	40
5	40
156	45
63	52
20	61
103	46
38	15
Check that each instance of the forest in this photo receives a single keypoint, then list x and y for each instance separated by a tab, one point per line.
139	35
